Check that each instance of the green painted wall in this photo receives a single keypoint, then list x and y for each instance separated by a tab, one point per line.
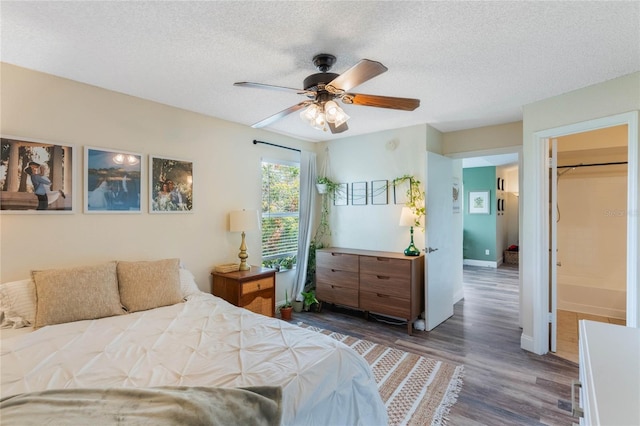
480	229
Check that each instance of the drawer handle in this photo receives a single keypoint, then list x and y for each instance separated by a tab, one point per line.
336	254
382	295
382	277
576	411
382	259
258	286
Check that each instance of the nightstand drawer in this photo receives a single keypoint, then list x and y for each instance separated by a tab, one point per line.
257	285
253	289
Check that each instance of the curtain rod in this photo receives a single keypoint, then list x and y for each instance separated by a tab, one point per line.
593	164
277	146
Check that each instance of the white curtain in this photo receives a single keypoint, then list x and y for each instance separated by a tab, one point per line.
307	207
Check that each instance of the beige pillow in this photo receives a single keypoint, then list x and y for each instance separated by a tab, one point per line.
149	284
74	294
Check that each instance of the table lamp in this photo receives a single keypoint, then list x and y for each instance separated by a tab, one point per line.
243	221
407	218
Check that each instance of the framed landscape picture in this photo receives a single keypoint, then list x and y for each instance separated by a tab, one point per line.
170	185
112	181
36	176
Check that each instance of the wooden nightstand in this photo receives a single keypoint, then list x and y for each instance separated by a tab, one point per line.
254	290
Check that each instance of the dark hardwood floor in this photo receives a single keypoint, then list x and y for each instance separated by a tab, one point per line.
503	384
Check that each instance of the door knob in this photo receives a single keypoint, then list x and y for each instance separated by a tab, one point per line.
430	250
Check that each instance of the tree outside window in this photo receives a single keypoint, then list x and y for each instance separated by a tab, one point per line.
280	213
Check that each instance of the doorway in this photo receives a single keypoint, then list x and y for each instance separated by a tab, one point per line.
543	308
589	232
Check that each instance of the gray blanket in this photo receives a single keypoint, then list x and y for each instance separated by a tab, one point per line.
161	406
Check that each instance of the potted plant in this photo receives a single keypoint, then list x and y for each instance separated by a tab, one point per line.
286	308
415	195
297	305
309	299
324	185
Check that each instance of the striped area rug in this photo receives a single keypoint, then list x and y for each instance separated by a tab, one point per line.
416	390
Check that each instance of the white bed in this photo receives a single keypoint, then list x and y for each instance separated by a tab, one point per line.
203	341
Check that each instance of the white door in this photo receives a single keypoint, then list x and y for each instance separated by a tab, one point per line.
439	253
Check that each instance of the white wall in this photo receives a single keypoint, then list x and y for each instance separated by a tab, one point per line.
378	156
606	99
226	177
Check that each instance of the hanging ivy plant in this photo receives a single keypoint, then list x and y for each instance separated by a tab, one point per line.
415	197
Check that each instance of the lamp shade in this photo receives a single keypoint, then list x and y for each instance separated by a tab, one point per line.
407	218
243	220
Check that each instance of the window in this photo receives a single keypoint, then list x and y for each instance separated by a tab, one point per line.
280	213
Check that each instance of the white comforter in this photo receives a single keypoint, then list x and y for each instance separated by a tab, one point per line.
202	342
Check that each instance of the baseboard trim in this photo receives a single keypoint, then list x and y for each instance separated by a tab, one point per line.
526	343
486	263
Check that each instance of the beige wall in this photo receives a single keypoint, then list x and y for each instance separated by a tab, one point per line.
489	138
226	177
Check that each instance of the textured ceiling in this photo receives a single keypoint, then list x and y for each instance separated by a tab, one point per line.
470	63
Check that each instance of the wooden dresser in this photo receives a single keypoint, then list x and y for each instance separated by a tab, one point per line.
386	283
253	290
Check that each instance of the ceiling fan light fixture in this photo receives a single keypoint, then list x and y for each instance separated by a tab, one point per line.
340	118
331	109
310	113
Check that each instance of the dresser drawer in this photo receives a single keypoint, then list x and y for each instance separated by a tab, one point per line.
337	277
257	285
332	293
338	261
385	266
385	304
386	285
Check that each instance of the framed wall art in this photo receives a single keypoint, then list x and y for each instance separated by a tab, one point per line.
36	176
401	192
479	202
359	193
456	195
379	192
341	195
112	181
170	185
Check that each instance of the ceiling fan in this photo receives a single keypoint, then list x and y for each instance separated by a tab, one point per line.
324	88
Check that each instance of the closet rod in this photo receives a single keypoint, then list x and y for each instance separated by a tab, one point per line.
277	146
594	164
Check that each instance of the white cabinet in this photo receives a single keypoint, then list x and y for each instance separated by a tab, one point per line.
609	374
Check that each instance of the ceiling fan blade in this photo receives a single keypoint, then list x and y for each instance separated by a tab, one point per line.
357	74
405	104
279	115
272	87
341	128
